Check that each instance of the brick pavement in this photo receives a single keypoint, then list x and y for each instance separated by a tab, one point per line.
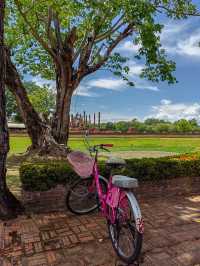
172	237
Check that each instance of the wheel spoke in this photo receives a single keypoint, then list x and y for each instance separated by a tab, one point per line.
124	234
81	199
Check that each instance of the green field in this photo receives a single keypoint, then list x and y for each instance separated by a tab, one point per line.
179	145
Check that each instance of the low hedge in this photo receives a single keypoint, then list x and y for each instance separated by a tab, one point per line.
43	176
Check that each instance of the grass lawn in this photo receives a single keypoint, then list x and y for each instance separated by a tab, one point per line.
179	145
19	144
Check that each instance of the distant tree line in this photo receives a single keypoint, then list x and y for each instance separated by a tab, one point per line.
43	100
153	126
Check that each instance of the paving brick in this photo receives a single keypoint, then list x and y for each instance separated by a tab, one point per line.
172	236
35	260
51	257
52	244
38	247
66	241
28	249
185	259
85	237
73	239
82	228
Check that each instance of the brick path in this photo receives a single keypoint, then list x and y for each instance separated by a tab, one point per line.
172	237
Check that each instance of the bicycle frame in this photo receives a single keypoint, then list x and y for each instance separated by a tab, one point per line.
114	197
111	198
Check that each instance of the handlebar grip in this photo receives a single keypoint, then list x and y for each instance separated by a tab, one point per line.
107	145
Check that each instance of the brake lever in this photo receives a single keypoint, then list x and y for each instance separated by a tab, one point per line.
105	149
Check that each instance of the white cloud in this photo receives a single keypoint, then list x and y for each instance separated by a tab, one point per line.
165	101
87	89
171	30
114	85
181	38
190	46
110	84
84	90
175	111
135	69
41	82
145	86
128	46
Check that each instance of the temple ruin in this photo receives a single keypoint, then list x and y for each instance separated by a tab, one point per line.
81	121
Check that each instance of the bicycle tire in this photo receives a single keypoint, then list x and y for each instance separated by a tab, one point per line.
137	241
70	202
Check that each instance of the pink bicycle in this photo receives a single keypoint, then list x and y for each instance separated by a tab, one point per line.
114	197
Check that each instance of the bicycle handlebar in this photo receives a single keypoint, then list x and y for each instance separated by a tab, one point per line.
96	147
100	146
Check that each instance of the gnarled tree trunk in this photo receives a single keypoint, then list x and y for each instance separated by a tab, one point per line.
33	122
65	88
38	130
9	205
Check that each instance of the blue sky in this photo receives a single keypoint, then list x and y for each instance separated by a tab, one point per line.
103	92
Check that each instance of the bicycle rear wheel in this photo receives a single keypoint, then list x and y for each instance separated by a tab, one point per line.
81	199
126	240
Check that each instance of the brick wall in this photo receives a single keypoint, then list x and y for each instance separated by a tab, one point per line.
54	199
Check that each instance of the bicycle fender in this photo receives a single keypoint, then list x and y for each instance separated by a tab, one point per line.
136	211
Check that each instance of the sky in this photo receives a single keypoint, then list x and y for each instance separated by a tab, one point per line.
103	92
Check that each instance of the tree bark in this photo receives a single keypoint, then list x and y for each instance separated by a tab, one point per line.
65	88
9	205
37	129
43	143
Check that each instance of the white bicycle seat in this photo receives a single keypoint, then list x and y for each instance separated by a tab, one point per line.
124	181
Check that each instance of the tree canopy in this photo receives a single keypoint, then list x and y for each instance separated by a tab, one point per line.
68	40
91	29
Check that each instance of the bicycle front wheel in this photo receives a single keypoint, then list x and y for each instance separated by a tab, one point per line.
126	239
81	199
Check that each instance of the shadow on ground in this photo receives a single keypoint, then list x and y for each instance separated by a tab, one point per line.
172	233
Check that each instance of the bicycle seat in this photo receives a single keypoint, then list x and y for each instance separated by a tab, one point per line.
124	181
115	162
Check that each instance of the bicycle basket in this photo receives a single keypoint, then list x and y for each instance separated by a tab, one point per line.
81	162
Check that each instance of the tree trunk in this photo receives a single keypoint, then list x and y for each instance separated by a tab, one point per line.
39	131
65	88
37	128
9	205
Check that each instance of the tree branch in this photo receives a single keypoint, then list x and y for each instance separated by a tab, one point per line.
57	32
71	38
128	31
113	29
82	44
33	31
48	28
97	53
84	57
109	33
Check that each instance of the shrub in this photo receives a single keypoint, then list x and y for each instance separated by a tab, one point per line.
43	176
